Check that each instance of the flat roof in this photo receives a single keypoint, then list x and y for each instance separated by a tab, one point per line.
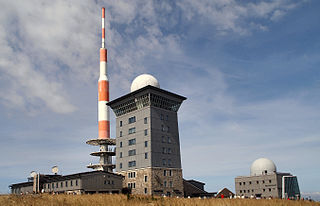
143	89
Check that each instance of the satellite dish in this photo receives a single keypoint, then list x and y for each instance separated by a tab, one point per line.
55	169
33	174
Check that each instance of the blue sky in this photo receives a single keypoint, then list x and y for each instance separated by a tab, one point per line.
250	71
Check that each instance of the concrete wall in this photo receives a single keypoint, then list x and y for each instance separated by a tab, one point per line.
22	190
155	181
138	135
264	185
170	120
63	186
102	183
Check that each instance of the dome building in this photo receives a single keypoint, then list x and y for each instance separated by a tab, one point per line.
264	182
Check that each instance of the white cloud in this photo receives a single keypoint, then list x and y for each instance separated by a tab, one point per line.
235	16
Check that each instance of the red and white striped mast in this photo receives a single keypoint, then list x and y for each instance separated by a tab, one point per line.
103	89
105	153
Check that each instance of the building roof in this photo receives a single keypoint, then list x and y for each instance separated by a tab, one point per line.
132	94
54	178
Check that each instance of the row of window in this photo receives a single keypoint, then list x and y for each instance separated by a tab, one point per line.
244	183
166	150
109	182
244	191
165	184
131	174
165	129
167	172
162	117
166	162
133	120
133	142
166	139
133	130
56	185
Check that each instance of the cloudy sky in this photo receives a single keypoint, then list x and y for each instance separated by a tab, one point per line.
250	71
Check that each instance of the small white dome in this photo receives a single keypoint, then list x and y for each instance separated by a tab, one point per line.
144	80
262	166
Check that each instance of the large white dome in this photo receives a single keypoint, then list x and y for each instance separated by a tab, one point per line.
262	166
144	80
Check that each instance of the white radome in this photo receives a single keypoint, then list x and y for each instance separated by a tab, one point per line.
262	166
144	80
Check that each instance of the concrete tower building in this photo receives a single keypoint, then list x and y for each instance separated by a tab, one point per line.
147	138
264	182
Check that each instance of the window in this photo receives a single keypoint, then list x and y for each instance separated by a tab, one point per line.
167	117
146	155
120	123
170	184
163	139
71	183
52	185
162	128
66	183
120	144
257	182
61	184
169	162
164	150
132	120
239	183
57	185
76	182
145	178
248	191
145	143
132	141
44	186
132	152
252	190
269	181
134	185
120	165
164	172
168	129
169	150
240	191
165	183
164	162
161	116
263	181
244	183
132	164
105	182
170	172
145	190
120	134
112	182
132	130
120	155
145	132
145	120
264	190
169	140
249	182
269	189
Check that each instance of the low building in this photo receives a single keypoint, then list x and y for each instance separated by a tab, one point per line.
265	182
225	193
194	188
79	183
